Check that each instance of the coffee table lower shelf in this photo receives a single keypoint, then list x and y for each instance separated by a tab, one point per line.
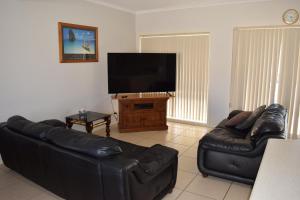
90	121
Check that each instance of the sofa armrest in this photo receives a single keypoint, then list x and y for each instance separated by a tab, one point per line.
119	164
3	124
153	161
147	165
115	176
265	138
120	174
234	113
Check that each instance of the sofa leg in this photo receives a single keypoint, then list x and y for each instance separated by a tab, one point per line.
204	175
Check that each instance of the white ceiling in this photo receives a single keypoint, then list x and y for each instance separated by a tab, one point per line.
143	6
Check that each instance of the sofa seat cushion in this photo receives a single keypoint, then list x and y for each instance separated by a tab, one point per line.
95	146
26	127
224	140
153	161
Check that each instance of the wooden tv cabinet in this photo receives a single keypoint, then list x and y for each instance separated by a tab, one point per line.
146	113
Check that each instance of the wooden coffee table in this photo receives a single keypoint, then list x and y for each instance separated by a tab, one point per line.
90	120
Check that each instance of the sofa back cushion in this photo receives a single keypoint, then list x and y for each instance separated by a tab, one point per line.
238	119
272	121
26	127
234	113
248	123
95	146
277	108
54	122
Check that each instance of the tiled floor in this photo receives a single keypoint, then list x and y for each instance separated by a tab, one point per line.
190	184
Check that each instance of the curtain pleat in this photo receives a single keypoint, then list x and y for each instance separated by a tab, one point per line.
289	79
254	68
266	69
191	97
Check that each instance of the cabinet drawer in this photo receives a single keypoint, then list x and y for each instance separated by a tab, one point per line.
160	106
125	107
153	119
130	121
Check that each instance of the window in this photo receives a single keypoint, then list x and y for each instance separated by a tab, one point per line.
190	102
266	69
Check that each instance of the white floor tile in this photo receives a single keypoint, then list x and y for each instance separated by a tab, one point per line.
20	190
162	136
179	147
184	179
45	196
211	187
190	196
172	196
238	191
193	134
175	130
7	179
188	164
150	142
191	152
184	140
4	170
133	140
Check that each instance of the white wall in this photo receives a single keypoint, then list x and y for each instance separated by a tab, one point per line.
219	21
32	81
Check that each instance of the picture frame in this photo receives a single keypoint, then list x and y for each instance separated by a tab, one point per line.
77	43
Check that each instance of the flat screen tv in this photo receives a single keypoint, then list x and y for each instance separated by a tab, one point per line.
141	72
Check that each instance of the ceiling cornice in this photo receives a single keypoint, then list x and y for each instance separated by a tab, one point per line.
200	5
111	6
203	5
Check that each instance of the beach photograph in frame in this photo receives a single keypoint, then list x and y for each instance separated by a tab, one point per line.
77	43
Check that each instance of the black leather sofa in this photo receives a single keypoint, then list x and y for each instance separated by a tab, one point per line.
236	155
78	166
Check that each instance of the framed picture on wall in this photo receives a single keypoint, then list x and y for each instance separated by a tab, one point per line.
77	43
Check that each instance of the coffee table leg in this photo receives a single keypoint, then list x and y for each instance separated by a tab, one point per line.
89	127
69	123
108	120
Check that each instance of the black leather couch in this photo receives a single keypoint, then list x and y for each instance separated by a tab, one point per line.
236	155
78	166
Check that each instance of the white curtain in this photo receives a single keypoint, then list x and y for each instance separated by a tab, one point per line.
256	56
190	102
265	70
289	78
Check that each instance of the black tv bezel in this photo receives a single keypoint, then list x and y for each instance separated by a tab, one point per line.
110	91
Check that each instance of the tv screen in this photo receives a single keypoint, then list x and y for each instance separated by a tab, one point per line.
141	72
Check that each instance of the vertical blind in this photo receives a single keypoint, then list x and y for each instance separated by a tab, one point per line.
289	78
256	56
191	96
265	70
